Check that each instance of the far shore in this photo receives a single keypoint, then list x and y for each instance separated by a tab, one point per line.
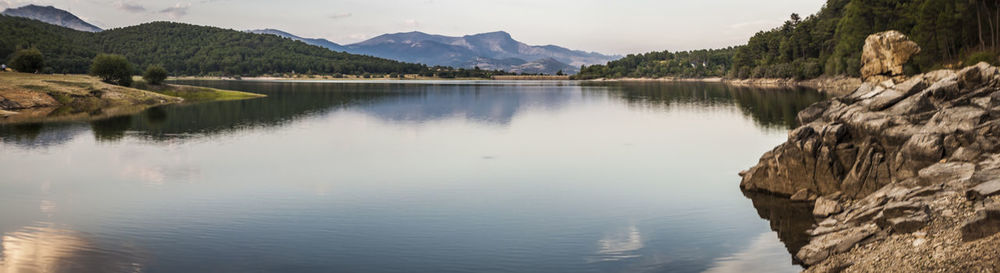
838	85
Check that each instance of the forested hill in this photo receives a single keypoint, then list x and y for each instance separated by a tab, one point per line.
949	32
186	49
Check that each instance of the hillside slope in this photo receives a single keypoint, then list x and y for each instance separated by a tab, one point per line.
186	49
53	16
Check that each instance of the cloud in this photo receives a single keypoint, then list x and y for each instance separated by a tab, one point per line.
411	23
340	15
130	7
177	11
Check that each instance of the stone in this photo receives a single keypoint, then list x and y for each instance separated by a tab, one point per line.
822	247
903	208
825	207
984	190
959	172
950	120
801	195
909	223
884	54
984	224
812	112
975	75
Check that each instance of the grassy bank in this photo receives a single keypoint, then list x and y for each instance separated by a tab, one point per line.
196	93
40	97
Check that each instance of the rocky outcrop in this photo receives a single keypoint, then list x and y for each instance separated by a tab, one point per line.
888	133
894	162
884	54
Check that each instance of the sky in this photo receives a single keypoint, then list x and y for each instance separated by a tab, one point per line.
606	26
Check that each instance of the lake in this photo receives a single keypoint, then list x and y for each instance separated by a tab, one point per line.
436	176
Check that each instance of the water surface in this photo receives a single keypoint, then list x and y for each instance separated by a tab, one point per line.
404	177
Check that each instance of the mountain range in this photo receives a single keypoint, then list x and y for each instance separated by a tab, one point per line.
53	16
489	51
493	50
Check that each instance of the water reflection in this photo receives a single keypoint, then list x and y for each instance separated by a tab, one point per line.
759	256
489	104
789	219
620	245
774	108
52	250
360	177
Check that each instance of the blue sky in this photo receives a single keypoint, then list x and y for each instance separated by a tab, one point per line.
620	27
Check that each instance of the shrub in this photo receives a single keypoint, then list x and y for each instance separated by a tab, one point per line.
155	75
113	69
27	60
983	56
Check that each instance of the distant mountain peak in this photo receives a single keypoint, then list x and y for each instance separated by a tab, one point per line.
495	34
312	41
52	15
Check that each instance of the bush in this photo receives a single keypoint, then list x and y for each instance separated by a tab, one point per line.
155	75
27	60
113	69
983	56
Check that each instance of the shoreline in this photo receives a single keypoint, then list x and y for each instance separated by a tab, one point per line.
28	97
836	85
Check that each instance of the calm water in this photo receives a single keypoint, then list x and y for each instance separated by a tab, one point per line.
405	177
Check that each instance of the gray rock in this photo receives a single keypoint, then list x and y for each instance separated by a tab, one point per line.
947	172
820	248
975	75
986	189
949	120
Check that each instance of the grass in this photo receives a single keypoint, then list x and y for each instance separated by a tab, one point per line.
195	93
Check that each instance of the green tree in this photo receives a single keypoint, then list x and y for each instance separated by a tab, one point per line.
155	75
27	60
113	69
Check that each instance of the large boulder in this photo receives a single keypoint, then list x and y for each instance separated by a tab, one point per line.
884	54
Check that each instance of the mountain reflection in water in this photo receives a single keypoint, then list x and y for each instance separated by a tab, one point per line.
493	104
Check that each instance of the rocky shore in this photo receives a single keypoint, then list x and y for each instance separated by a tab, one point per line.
903	173
837	86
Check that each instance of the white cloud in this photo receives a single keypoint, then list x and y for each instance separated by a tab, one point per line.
340	15
130	7
412	23
177	11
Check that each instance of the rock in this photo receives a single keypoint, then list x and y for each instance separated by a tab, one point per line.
919	151
973	76
801	195
824	246
909	223
825	207
959	172
884	54
949	120
812	112
903	208
984	224
984	190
